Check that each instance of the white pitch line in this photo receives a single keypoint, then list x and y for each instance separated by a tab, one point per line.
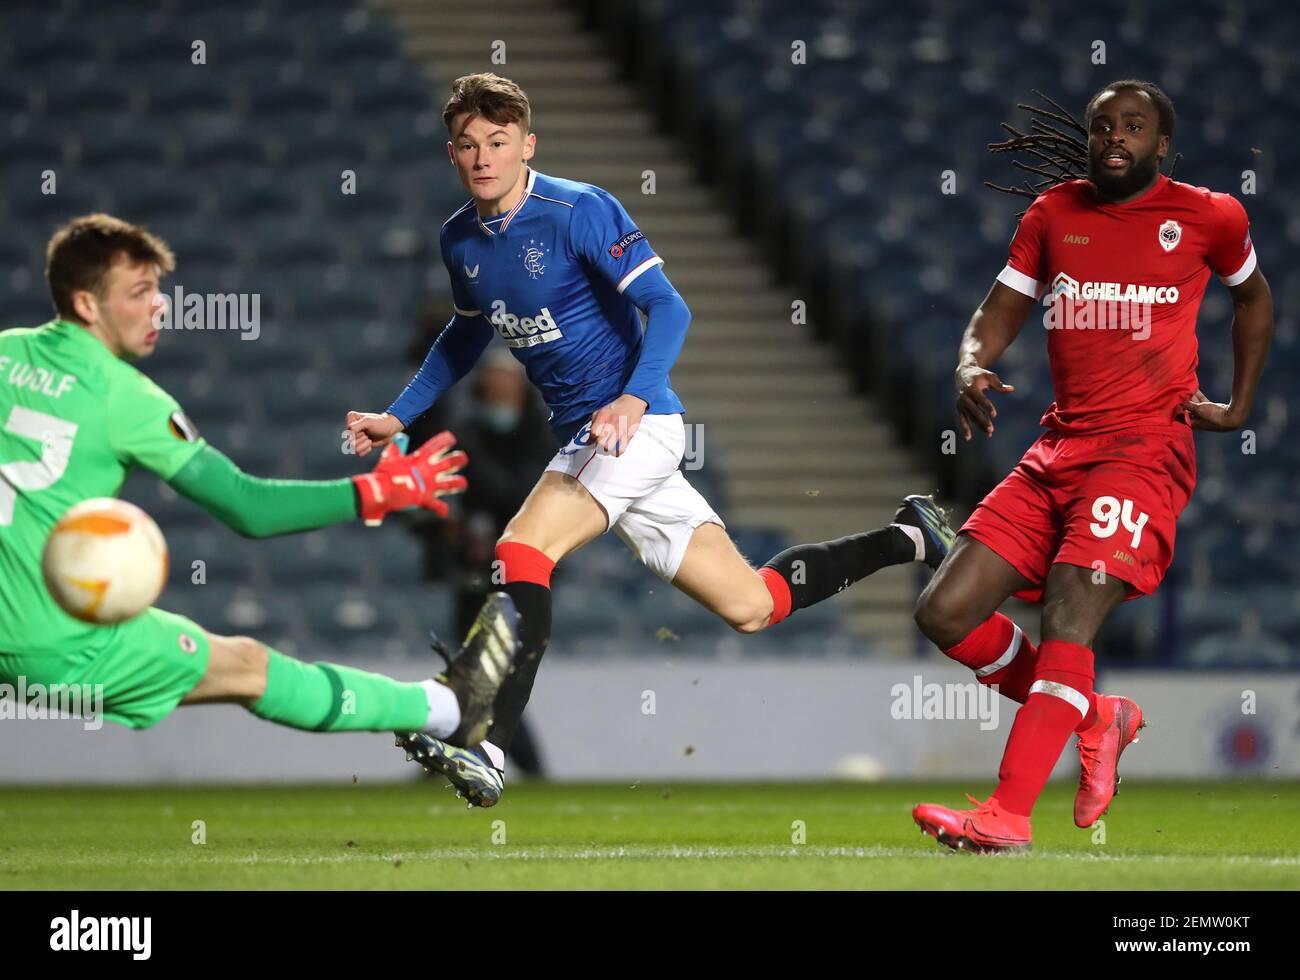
689	852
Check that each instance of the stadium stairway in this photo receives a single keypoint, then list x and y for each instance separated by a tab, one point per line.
798	450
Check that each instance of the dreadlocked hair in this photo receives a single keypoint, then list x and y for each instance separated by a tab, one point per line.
1057	140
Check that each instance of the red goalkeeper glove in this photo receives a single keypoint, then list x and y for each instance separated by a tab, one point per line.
417	480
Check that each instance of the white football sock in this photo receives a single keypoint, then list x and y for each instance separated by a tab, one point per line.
444	709
494	754
917	536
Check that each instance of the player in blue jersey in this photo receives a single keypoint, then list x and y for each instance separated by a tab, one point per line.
558	270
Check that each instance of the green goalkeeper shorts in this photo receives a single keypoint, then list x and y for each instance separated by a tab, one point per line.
145	665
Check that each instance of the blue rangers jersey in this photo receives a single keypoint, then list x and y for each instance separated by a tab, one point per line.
559	278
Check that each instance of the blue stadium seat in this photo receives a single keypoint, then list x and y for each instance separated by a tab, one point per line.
919	261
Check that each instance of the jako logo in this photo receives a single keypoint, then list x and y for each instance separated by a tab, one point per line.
527	331
96	933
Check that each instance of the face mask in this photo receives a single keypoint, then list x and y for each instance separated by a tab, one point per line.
499	418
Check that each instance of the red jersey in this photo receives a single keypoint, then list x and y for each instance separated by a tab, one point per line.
1122	285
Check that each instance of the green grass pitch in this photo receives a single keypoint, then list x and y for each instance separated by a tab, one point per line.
648	835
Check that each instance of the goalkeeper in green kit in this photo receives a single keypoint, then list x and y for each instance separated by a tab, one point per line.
76	417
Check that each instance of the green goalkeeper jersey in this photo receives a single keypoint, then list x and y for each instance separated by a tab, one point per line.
74	420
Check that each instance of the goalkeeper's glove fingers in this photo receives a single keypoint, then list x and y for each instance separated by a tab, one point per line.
418	480
436	456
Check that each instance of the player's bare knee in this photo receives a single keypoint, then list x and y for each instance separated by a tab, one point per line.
749	624
927	618
748	617
941	619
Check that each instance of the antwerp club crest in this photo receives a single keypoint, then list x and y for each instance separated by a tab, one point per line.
1170	233
532	255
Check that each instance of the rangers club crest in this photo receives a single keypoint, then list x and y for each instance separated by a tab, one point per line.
1170	233
532	255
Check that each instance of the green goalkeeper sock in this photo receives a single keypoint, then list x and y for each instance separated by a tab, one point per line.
333	698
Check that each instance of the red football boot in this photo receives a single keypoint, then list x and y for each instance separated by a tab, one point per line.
987	829
1118	722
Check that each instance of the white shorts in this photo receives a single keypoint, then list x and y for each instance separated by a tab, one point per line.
645	496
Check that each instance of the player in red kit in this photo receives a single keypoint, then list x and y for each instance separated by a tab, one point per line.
1087	518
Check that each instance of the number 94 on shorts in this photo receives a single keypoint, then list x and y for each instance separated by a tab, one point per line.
1109	502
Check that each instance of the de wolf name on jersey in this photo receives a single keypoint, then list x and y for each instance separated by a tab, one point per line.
548	276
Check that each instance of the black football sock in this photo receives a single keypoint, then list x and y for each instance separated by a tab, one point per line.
813	572
533	603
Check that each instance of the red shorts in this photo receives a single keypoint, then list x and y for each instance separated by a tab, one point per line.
1109	502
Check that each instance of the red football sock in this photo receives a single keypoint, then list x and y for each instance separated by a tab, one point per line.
516	562
780	590
999	653
1059	698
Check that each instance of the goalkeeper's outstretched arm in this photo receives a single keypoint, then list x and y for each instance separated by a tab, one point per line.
261	508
